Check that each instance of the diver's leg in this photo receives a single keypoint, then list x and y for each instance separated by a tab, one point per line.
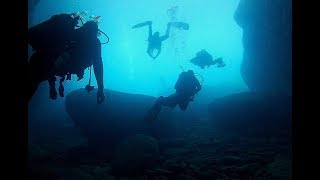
180	25
149	51
217	61
61	88
53	92
214	62
172	100
158	53
183	105
154	111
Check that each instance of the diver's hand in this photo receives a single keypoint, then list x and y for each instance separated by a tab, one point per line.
100	96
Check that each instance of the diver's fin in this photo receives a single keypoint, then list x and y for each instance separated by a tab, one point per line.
193	60
180	25
153	113
218	60
141	24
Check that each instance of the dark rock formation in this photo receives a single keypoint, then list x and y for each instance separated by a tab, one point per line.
253	114
267	43
120	116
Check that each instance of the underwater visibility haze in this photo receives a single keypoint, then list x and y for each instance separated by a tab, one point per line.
214	103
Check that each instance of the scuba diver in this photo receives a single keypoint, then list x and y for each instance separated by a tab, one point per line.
62	48
187	86
155	40
203	59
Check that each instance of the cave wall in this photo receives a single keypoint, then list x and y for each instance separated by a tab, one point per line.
267	43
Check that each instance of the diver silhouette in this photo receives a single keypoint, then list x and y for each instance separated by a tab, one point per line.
204	59
187	86
61	49
155	40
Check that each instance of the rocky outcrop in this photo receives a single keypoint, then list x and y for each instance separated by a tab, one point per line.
120	116
267	43
253	114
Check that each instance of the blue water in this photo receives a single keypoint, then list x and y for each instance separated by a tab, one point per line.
127	66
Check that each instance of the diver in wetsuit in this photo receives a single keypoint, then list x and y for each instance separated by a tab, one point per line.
61	50
187	86
155	40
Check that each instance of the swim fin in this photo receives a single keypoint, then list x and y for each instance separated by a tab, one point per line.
141	24
180	25
153	113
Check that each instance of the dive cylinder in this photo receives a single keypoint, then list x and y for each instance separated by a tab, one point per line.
52	32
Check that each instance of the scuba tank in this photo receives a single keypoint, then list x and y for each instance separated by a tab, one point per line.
53	32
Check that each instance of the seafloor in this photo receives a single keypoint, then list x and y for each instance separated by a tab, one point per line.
199	152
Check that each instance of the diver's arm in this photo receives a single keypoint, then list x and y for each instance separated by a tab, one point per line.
162	38
52	85
98	72
98	68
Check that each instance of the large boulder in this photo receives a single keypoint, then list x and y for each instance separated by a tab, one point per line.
121	115
253	114
267	43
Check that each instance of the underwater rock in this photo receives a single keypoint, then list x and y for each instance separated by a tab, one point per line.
267	43
122	115
247	169
76	173
104	125
36	153
281	168
134	155
253	114
229	160
185	177
173	142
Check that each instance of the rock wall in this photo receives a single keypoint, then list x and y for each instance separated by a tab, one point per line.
267	43
253	114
